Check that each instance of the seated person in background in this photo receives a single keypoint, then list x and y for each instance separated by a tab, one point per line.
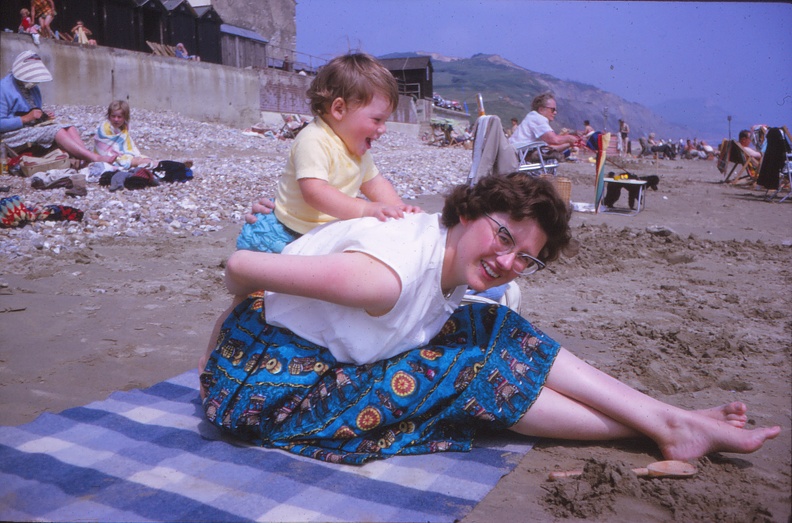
653	146
753	156
81	34
510	131
744	139
112	138
588	130
706	150
690	152
22	121
181	52
536	126
26	24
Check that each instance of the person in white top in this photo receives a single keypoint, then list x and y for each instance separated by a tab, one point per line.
536	126
348	356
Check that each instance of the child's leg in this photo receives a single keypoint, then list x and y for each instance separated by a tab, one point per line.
580	402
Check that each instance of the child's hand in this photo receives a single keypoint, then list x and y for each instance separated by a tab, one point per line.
411	209
263	206
382	211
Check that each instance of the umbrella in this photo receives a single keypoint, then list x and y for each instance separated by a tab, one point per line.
604	141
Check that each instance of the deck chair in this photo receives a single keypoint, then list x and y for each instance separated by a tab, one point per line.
731	158
532	158
292	125
776	162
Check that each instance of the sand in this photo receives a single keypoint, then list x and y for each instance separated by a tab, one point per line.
688	301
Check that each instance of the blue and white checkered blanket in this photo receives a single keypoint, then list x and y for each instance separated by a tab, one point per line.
149	455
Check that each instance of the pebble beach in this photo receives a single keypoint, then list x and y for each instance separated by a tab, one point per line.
231	170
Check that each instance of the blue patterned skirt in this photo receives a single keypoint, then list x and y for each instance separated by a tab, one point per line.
269	386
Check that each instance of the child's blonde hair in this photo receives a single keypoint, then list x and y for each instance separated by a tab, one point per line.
24	12
354	78
119	105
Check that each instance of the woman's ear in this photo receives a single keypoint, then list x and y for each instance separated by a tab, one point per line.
338	108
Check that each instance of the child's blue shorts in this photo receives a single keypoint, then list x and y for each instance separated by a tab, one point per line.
266	235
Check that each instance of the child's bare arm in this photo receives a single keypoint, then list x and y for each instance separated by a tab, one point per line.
380	190
323	197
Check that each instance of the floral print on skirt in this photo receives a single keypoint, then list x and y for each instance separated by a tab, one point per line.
269	386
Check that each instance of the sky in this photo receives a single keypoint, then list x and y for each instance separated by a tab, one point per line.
734	55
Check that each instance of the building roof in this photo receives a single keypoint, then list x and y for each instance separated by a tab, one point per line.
170	5
404	64
242	32
200	11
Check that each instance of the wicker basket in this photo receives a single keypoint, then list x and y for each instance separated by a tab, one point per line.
563	185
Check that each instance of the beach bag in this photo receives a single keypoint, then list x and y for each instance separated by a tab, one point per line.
55	159
140	179
170	171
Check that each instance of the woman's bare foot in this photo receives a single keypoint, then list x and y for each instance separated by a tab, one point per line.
733	413
695	434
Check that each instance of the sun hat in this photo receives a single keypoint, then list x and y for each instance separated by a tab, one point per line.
28	67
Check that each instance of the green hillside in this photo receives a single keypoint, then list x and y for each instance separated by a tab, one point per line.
508	89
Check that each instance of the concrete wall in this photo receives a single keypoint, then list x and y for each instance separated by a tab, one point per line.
95	75
283	92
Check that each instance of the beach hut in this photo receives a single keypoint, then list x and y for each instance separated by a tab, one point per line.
242	47
117	18
180	24
207	32
413	74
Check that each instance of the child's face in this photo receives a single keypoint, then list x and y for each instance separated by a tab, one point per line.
117	118
359	126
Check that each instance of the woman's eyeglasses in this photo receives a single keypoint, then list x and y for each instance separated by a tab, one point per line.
503	243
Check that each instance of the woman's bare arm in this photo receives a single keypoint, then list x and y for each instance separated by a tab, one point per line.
352	279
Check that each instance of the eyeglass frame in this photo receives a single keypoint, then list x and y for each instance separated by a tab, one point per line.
554	109
534	262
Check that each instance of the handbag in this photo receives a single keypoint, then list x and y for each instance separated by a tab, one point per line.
55	159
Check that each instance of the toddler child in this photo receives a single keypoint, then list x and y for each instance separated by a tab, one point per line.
26	24
329	163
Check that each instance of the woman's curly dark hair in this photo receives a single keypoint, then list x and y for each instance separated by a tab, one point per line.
520	196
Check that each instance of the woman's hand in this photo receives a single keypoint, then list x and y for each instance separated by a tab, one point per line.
32	116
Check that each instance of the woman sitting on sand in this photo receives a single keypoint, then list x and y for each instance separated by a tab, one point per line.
23	122
360	349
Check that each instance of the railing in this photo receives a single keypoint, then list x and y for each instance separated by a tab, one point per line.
291	60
